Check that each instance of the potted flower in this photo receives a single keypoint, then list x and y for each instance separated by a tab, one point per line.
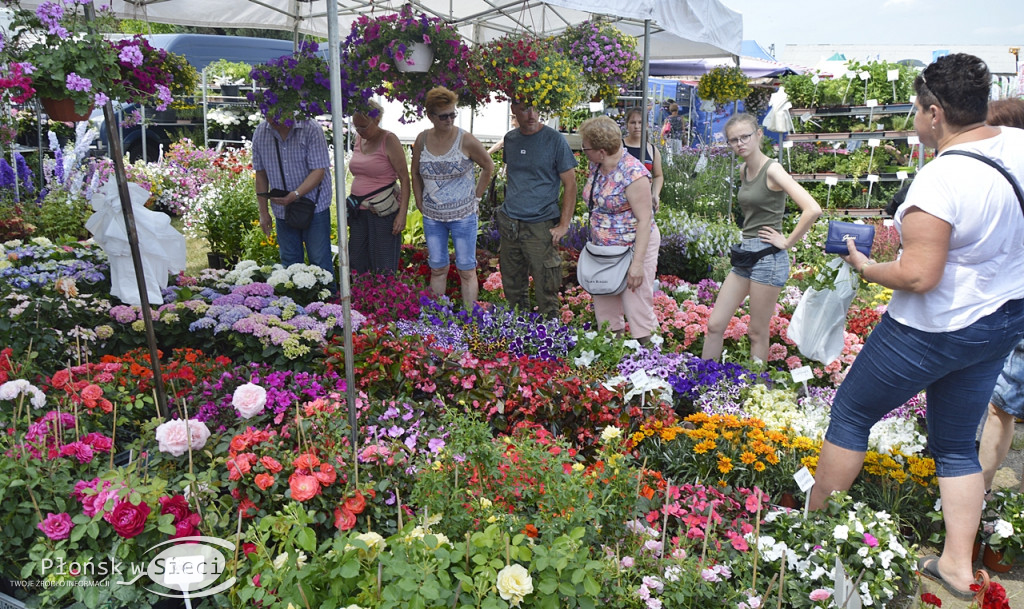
608	57
228	76
72	66
722	85
294	87
383	55
1005	541
529	69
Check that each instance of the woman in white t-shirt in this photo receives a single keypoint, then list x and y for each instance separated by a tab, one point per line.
956	312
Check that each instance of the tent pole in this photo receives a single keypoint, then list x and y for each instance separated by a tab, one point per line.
337	120
643	87
117	156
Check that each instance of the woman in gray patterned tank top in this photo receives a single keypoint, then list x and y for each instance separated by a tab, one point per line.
447	194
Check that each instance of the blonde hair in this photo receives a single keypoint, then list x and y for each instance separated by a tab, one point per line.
742	117
603	133
439	97
371	115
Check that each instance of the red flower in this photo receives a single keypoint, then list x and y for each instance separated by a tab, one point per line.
187	527
177	505
531	531
264	481
355	504
272	465
930	599
344	519
306	461
248	548
303	487
128	519
327	475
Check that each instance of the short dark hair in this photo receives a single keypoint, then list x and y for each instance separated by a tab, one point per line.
959	84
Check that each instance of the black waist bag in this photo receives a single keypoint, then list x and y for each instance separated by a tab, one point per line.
744	259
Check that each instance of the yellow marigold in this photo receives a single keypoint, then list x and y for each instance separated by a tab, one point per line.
772	458
802	443
698	418
724	464
704	446
810	462
747	457
758	466
898	475
669	433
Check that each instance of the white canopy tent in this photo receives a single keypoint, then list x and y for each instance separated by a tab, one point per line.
676	28
680	28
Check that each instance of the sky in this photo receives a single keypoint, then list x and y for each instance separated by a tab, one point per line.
939	22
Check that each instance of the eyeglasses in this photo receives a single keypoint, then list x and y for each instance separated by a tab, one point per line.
743	139
449	115
932	90
585	149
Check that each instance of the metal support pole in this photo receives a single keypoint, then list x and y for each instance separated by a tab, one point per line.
643	85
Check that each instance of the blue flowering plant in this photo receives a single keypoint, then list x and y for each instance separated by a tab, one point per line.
295	87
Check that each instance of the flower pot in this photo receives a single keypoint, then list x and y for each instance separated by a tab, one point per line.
788	500
993	561
230	90
418	58
216	260
63	110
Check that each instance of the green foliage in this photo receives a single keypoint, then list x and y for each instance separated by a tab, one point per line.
699	182
235	71
693	246
62	217
228	223
850	90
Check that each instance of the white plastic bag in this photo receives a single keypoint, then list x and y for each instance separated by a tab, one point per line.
819	320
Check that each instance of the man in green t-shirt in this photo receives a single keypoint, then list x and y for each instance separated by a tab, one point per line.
538	164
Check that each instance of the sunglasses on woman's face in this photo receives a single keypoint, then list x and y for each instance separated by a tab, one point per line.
447	116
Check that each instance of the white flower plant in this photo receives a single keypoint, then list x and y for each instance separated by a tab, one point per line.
868	543
1004	524
301	282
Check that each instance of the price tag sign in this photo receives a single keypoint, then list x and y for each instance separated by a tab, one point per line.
888	222
815	79
871	103
892	74
831	181
804	479
873	142
913	98
913	140
787	144
872	178
803	373
806	116
596	107
864	75
901	175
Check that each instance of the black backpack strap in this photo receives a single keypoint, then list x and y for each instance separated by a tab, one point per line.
998	167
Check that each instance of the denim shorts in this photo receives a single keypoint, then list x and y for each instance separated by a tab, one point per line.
957	369
463	234
1009	392
771	270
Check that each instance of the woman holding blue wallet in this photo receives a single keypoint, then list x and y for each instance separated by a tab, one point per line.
760	262
957	307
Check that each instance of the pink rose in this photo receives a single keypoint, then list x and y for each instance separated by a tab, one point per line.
56	526
98	442
128	519
172	436
820	594
79	450
249	400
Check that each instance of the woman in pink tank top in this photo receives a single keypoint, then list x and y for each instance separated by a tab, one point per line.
378	160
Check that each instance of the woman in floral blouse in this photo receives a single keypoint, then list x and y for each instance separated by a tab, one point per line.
618	195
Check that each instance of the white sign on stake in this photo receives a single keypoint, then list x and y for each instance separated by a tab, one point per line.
803	373
815	79
871	103
892	74
787	144
804	479
901	175
844	592
864	75
831	181
913	140
872	178
873	142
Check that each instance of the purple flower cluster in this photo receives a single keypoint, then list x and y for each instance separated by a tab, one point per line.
211	399
698	375
653	361
46	272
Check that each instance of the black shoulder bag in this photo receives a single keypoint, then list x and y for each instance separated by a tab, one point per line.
901	195
299	213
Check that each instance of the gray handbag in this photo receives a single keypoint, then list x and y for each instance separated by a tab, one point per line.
602	270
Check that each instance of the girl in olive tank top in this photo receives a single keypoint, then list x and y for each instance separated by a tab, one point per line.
764	185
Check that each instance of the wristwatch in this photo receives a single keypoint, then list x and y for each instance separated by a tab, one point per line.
297	195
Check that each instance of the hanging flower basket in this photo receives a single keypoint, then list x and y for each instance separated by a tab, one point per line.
723	85
383	55
529	69
63	110
607	58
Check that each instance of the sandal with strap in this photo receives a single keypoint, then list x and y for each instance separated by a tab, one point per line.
928	566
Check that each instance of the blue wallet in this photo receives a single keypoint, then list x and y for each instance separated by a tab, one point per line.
838	232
